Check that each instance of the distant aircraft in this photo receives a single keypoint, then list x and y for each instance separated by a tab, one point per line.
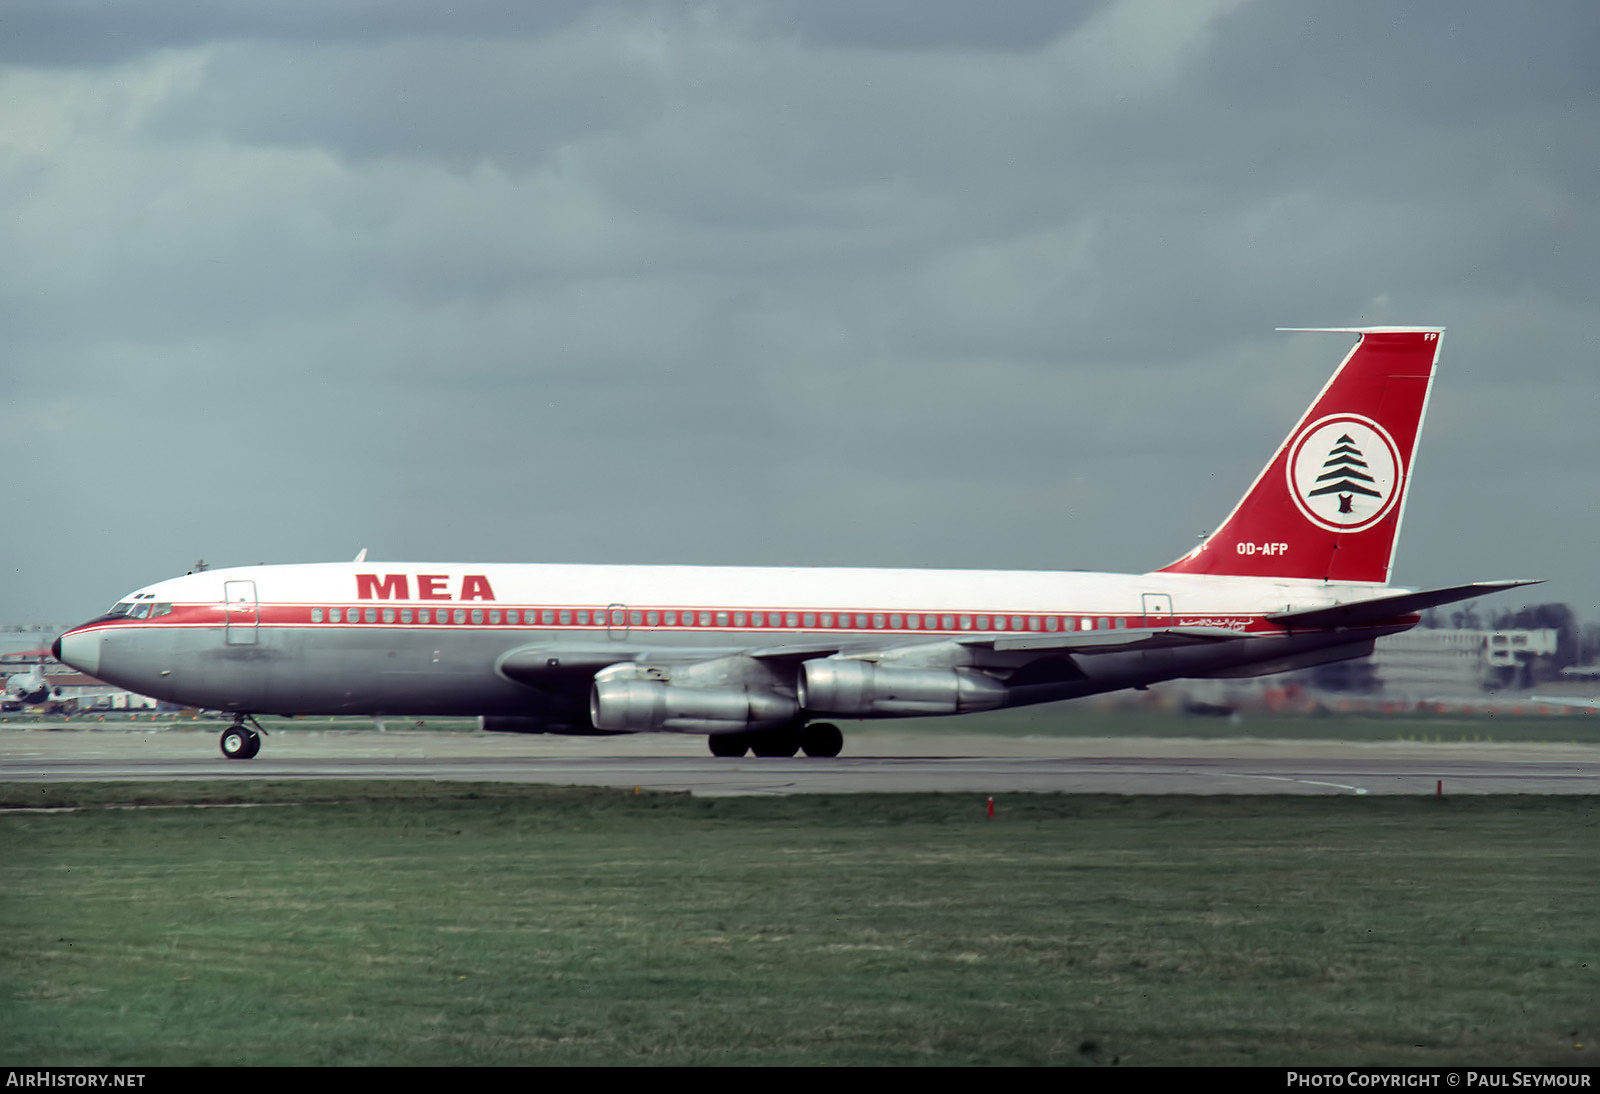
31	687
757	658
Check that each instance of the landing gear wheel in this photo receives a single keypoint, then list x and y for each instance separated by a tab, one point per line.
775	742
822	740
728	745
239	743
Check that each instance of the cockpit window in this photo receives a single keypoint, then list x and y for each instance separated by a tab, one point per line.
138	608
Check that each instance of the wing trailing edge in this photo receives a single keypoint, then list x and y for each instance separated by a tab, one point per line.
1121	641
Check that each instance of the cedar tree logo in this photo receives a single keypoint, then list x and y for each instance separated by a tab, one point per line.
1345	473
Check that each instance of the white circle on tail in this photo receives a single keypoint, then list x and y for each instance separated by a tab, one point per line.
1345	472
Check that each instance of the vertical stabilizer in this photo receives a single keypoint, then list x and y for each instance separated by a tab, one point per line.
1328	505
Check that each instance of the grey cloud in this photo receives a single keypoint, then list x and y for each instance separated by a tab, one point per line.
780	283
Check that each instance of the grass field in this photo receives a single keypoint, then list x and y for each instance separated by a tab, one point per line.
500	924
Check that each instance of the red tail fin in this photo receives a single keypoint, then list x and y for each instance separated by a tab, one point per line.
1328	506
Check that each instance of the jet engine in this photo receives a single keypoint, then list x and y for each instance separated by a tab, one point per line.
839	686
641	706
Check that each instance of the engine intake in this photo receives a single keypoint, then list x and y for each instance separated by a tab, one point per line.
860	687
644	706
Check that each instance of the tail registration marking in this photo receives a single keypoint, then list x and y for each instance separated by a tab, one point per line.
1261	548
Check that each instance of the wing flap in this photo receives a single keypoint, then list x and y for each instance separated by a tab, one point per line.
1140	638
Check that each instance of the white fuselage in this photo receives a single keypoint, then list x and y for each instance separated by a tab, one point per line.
509	639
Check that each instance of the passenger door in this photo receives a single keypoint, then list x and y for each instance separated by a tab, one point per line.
242	613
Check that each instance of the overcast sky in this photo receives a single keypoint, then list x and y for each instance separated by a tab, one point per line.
833	282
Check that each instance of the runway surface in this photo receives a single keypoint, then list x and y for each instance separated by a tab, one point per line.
874	761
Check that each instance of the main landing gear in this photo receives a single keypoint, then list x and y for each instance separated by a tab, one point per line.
239	741
820	739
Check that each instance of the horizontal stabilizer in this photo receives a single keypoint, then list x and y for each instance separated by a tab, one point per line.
1139	638
1380	608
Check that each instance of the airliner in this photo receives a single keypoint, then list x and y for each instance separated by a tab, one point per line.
758	659
31	687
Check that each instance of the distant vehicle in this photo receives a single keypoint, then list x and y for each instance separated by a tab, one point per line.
756	658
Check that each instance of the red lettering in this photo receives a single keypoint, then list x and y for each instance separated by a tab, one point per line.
393	586
476	587
428	587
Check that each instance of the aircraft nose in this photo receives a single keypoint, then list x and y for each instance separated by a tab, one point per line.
80	649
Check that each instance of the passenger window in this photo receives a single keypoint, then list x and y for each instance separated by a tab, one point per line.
827	619
424	615
791	620
334	615
494	617
477	615
913	622
1016	623
388	615
738	619
949	622
461	615
670	618
316	615
895	622
1033	622
372	615
983	622
405	615
705	619
1052	623
758	619
877	621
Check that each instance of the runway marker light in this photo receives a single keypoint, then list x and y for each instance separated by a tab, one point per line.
991	807
1438	789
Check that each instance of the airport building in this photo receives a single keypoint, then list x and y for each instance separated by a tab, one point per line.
1438	663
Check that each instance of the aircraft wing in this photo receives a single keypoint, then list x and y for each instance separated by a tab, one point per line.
559	665
1380	608
1119	641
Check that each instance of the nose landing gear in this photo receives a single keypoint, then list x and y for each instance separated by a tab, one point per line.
239	741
